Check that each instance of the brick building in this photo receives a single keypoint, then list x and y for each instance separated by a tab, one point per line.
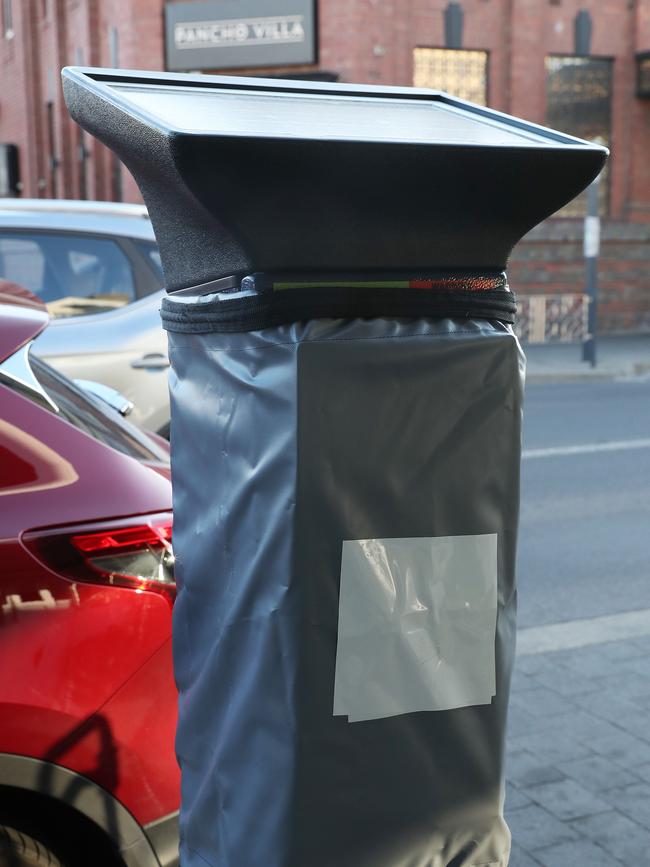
577	65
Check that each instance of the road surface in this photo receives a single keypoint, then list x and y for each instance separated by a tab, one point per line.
584	540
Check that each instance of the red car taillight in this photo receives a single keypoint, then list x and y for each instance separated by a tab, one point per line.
131	552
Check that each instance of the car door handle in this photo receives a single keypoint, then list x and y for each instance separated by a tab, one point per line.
151	361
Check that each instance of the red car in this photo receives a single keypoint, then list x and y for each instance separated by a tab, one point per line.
87	698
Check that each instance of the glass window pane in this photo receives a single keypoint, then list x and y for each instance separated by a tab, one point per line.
72	274
643	76
578	102
152	253
22	261
8	17
461	72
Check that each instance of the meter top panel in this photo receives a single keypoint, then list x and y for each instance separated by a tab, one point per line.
245	175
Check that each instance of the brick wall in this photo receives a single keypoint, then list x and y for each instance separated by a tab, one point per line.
18	120
365	41
549	260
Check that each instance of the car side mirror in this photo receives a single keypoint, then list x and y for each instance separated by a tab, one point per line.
109	395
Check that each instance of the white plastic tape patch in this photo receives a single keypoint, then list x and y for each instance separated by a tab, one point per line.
417	625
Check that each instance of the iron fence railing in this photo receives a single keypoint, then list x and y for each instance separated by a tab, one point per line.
552	318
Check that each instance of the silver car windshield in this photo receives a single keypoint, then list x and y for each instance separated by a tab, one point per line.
73	274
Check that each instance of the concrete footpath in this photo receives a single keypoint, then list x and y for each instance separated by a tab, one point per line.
617	357
578	765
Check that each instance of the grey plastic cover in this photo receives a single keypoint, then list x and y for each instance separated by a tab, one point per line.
346	502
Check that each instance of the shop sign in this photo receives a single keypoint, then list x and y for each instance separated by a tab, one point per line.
227	34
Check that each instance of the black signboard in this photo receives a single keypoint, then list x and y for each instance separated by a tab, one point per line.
231	34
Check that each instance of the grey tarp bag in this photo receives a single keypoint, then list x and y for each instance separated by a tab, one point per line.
317	467
346	413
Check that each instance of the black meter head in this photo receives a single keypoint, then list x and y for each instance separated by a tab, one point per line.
245	175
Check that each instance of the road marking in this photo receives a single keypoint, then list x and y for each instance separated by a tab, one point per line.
586	449
582	633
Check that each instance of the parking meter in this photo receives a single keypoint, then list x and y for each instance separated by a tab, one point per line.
346	423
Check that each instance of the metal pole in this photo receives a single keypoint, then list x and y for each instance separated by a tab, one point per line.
591	250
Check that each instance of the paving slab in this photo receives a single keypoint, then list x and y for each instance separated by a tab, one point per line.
535	828
619	835
622	748
636	723
567	799
643	772
633	801
524	769
549	748
608	705
580	852
542	701
598	774
520	858
515	798
567	683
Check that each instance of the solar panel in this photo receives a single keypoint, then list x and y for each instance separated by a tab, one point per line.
323	116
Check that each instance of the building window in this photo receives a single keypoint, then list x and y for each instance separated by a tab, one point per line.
579	102
73	274
643	74
7	19
459	71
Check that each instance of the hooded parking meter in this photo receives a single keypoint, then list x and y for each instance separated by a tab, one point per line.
346	421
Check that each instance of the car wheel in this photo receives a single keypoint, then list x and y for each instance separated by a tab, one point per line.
18	849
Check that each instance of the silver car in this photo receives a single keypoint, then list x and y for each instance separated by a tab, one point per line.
97	268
